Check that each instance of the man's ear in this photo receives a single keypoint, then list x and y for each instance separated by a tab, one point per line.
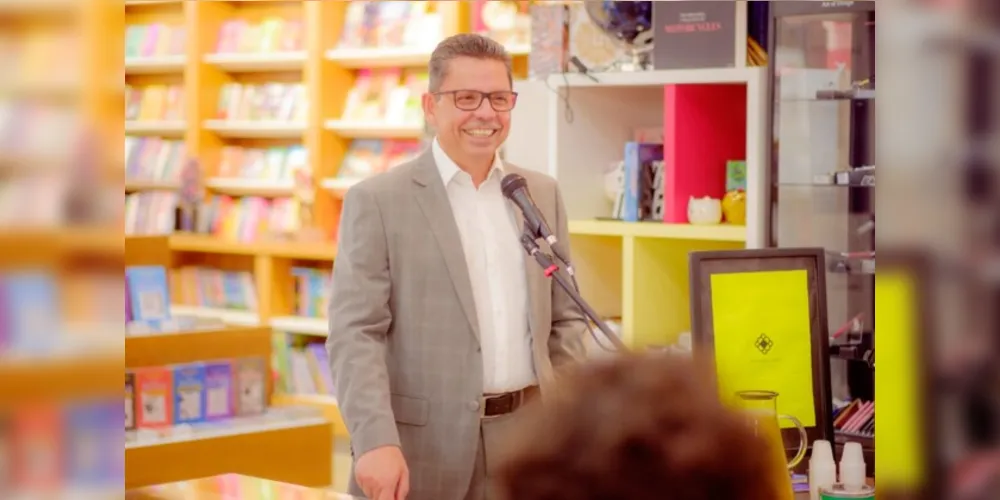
428	102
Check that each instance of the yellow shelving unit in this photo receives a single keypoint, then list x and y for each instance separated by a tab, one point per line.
638	272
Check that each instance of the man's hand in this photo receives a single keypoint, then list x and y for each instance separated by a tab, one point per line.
382	474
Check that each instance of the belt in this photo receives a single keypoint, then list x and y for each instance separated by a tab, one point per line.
495	405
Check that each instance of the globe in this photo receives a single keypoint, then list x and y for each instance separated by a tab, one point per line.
628	22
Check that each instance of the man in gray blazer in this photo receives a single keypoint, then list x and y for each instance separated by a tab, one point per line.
441	327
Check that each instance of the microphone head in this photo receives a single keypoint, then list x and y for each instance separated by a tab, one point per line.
511	183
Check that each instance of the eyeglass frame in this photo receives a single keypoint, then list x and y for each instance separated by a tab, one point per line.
483	96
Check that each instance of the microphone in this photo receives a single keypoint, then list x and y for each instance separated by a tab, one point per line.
515	189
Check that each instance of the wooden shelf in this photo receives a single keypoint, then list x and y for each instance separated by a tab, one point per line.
358	130
255	129
249	187
337	186
246	449
315	327
154	65
255	63
326	404
288	250
720	232
380	58
227	316
157	128
132	186
168	348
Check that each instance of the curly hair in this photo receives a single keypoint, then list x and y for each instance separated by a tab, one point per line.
636	427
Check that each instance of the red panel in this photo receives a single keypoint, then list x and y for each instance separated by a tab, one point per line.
704	126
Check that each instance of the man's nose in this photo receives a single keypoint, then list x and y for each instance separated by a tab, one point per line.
485	111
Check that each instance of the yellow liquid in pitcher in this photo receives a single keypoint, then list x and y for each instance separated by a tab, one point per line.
766	426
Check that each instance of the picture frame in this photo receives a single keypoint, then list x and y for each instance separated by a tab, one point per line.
703	265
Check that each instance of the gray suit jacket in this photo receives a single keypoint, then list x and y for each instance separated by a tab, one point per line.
404	343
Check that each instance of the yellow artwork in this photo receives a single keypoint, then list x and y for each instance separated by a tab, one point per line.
898	382
763	339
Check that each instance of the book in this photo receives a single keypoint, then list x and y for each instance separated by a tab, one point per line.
150	298
251	386
189	393
130	401
639	189
36	458
219	390
154	385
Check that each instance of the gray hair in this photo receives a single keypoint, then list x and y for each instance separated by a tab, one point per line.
464	45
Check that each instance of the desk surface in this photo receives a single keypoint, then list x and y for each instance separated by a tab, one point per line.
232	486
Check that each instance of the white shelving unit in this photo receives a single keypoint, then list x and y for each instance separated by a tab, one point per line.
579	152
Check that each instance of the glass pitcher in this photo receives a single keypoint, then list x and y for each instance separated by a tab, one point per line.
761	409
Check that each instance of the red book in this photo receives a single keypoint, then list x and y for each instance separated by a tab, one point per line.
154	401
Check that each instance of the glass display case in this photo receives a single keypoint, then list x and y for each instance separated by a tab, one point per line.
822	62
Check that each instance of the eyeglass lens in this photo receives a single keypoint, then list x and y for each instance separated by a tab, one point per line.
470	100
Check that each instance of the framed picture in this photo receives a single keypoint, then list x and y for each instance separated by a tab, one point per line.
760	317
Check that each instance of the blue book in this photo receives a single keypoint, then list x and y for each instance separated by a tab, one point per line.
90	459
189	393
32	318
639	157
149	293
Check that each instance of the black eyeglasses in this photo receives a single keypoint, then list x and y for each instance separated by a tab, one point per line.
471	100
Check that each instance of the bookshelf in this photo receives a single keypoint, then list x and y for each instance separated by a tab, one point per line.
245	441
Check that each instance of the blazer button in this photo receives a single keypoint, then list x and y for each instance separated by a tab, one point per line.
473	405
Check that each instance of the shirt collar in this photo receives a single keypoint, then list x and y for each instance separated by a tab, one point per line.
449	169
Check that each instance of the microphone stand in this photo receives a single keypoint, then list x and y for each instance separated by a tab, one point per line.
528	241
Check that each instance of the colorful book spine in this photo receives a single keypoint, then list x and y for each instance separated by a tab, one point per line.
130	416
639	158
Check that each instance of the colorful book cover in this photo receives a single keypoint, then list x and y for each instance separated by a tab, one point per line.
251	386
36	457
639	158
129	401
32	316
150	298
219	390
155	403
189	393
88	444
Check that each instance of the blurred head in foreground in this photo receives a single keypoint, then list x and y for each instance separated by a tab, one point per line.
636	428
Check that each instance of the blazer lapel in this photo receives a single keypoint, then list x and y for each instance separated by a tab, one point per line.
432	198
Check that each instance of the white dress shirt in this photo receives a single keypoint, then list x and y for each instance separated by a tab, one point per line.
495	259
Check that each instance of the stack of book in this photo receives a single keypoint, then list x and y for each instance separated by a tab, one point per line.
281	102
367	157
389	96
249	218
150	213
301	369
151	159
390	25
276	164
153	40
273	34
159	397
154	102
215	288
312	291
